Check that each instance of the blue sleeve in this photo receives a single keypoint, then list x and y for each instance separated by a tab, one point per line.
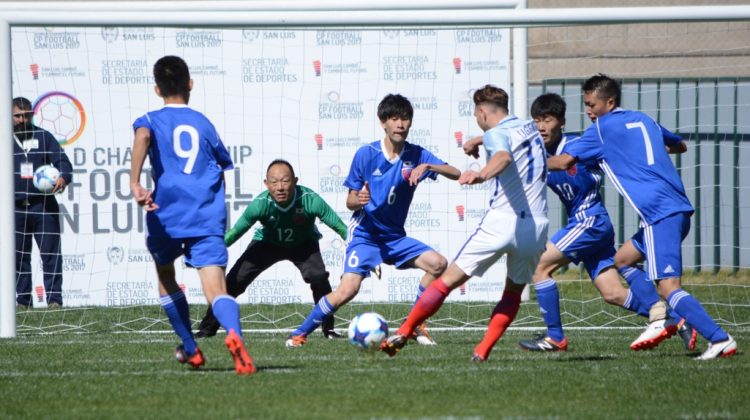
670	138
355	180
220	151
425	156
586	149
142	121
223	157
496	140
57	157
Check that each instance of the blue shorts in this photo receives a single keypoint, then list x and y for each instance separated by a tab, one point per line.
363	255
590	241
202	251
661	244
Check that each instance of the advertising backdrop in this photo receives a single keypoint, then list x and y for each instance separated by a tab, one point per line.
307	96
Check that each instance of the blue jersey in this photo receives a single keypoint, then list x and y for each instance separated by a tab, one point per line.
187	164
390	192
578	187
631	149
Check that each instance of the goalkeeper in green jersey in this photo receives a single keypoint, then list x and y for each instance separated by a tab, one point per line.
287	213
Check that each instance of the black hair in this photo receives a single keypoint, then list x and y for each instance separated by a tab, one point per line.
22	103
172	77
281	162
548	104
395	106
604	86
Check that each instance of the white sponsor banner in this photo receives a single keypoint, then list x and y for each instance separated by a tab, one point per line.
308	96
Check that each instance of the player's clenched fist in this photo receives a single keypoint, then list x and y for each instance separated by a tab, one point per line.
364	194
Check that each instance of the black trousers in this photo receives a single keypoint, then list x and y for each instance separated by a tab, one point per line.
259	256
39	220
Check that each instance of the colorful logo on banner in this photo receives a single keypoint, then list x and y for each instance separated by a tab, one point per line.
34	70
461	211
62	115
316	66
459	136
457	64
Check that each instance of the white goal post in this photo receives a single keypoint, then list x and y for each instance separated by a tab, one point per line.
296	14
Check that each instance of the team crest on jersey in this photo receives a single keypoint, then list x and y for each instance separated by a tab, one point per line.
572	171
406	170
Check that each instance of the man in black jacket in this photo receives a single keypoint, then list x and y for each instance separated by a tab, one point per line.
37	214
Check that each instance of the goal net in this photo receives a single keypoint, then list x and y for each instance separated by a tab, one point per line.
309	95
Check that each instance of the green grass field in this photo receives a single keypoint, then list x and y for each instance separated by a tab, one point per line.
118	363
134	375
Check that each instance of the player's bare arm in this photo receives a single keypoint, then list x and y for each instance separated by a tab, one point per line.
678	148
141	143
561	162
358	199
497	164
446	170
471	147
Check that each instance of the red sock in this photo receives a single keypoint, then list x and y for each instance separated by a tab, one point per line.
432	298
503	314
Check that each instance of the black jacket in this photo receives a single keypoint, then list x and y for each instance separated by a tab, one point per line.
42	149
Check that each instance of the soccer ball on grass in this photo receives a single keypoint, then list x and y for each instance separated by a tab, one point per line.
367	331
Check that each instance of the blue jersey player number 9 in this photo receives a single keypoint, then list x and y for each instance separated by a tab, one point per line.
190	154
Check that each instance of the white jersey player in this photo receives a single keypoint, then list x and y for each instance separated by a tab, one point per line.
514	225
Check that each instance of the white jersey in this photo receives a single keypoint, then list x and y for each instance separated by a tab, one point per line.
521	187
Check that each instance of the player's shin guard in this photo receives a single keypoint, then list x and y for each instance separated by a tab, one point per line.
688	307
502	316
315	318
640	285
429	303
178	312
548	297
227	312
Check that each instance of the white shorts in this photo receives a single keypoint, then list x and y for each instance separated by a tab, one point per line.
499	233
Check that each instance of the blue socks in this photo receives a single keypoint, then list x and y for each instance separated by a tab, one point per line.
176	307
640	285
689	308
549	305
321	309
227	312
634	305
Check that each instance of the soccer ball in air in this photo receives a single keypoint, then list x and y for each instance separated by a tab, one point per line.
45	178
367	331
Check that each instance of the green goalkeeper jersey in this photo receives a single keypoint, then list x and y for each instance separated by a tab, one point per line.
287	226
